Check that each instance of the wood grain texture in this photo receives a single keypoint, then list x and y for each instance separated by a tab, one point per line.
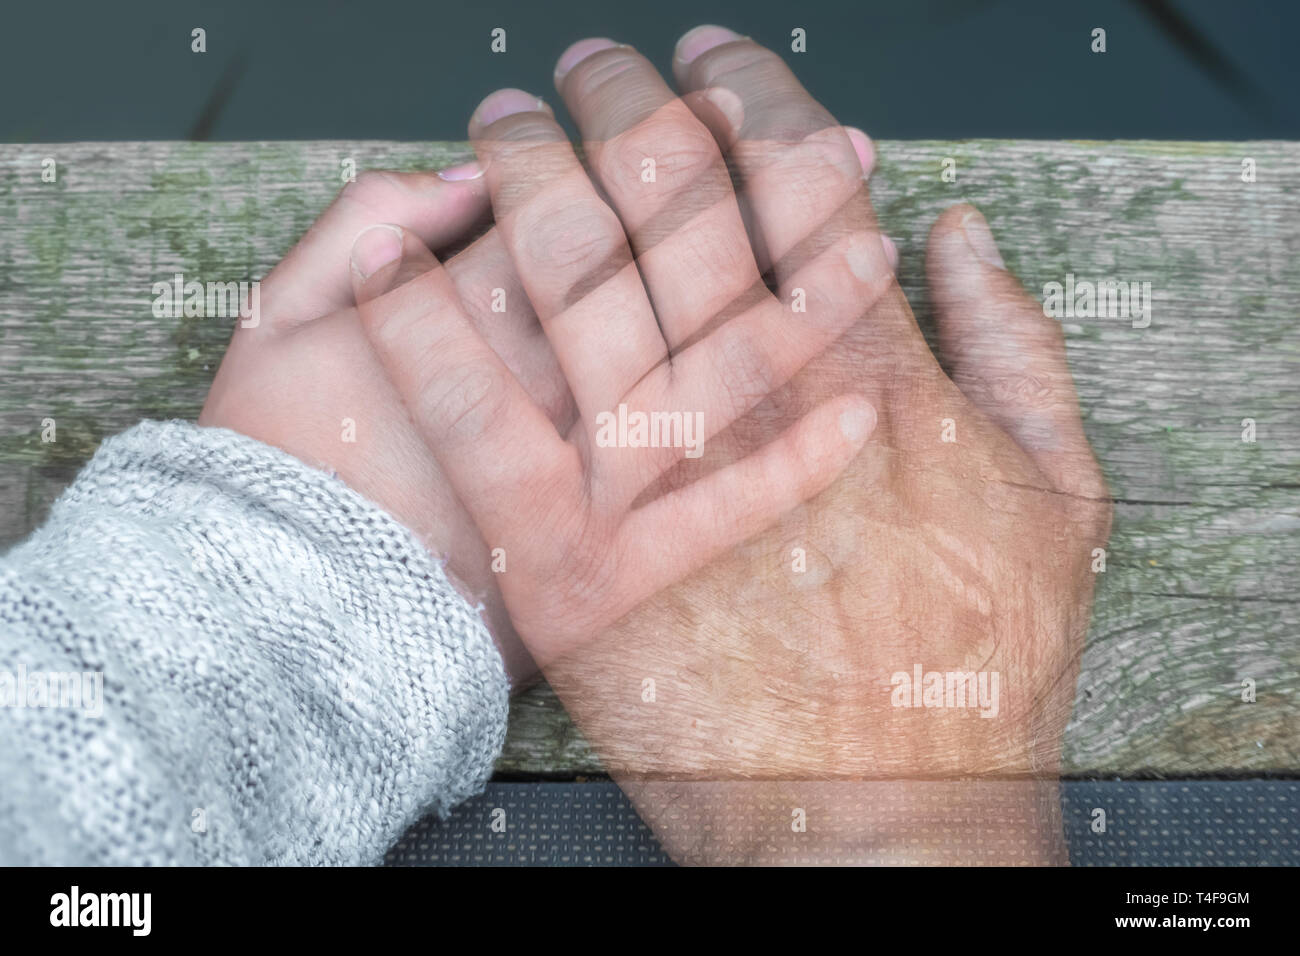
1201	585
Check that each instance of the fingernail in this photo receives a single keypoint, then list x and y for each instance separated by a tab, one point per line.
981	240
863	254
505	103
862	146
728	104
374	248
579	52
458	174
702	39
858	421
891	250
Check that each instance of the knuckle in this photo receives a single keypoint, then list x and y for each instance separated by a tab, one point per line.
723	260
530	168
528	128
590	80
731	58
463	406
683	152
532	149
747	374
821	166
840	274
1024	389
568	237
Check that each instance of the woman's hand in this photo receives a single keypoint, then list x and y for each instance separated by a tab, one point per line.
306	380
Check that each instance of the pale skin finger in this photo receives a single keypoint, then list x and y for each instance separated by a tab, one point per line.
498	450
727	373
494	298
733	504
436	209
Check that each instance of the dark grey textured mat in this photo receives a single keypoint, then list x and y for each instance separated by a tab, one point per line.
1148	823
546	824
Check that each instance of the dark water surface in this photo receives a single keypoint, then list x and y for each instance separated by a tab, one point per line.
1174	69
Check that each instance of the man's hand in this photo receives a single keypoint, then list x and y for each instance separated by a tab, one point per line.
960	542
809	670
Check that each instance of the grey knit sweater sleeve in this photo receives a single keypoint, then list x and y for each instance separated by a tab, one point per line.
212	653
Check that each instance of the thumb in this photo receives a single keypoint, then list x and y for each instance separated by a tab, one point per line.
1004	354
386	257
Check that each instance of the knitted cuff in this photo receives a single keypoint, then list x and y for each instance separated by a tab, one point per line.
280	657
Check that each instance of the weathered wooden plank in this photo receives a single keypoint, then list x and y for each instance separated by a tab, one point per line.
1200	587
